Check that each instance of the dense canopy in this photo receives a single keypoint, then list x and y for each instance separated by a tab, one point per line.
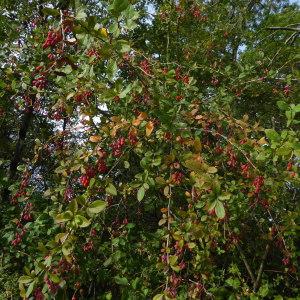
149	149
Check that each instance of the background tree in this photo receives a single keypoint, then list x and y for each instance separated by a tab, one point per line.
150	149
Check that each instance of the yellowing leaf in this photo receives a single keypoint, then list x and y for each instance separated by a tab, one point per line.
141	117
95	138
197	145
262	141
162	222
212	170
104	32
149	128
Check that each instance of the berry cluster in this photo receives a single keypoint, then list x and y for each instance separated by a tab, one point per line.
40	82
196	12
53	287
117	147
215	81
258	183
84	180
178	74
177	177
26	214
102	167
186	79
132	138
58	114
144	64
68	194
90	172
245	170
93	232
218	149
289	166
52	39
18	237
88	246
179	98
22	189
83	97
93	53
232	162
287	90
51	56
38	294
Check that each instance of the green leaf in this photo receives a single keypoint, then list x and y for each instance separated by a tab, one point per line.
141	193
110	189
82	221
282	105
63	217
30	289
54	278
81	15
118	6
25	279
272	135
121	280
219	209
158	297
50	11
96	207
123	46
73	206
111	69
125	91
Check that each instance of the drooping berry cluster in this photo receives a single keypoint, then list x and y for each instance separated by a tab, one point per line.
245	170
26	214
22	189
90	172
93	53
177	177
178	76
68	194
57	114
117	147
18	237
53	287
88	246
38	294
258	183
287	90
40	82
232	162
132	137
52	39
102	167
83	97
84	180
144	64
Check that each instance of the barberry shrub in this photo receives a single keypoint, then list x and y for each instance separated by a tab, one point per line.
151	179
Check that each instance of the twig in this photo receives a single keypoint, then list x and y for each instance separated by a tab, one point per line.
246	264
261	267
284	28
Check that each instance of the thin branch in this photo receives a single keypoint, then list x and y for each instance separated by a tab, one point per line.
284	28
246	264
261	268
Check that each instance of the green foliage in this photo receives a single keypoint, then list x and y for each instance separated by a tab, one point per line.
149	154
